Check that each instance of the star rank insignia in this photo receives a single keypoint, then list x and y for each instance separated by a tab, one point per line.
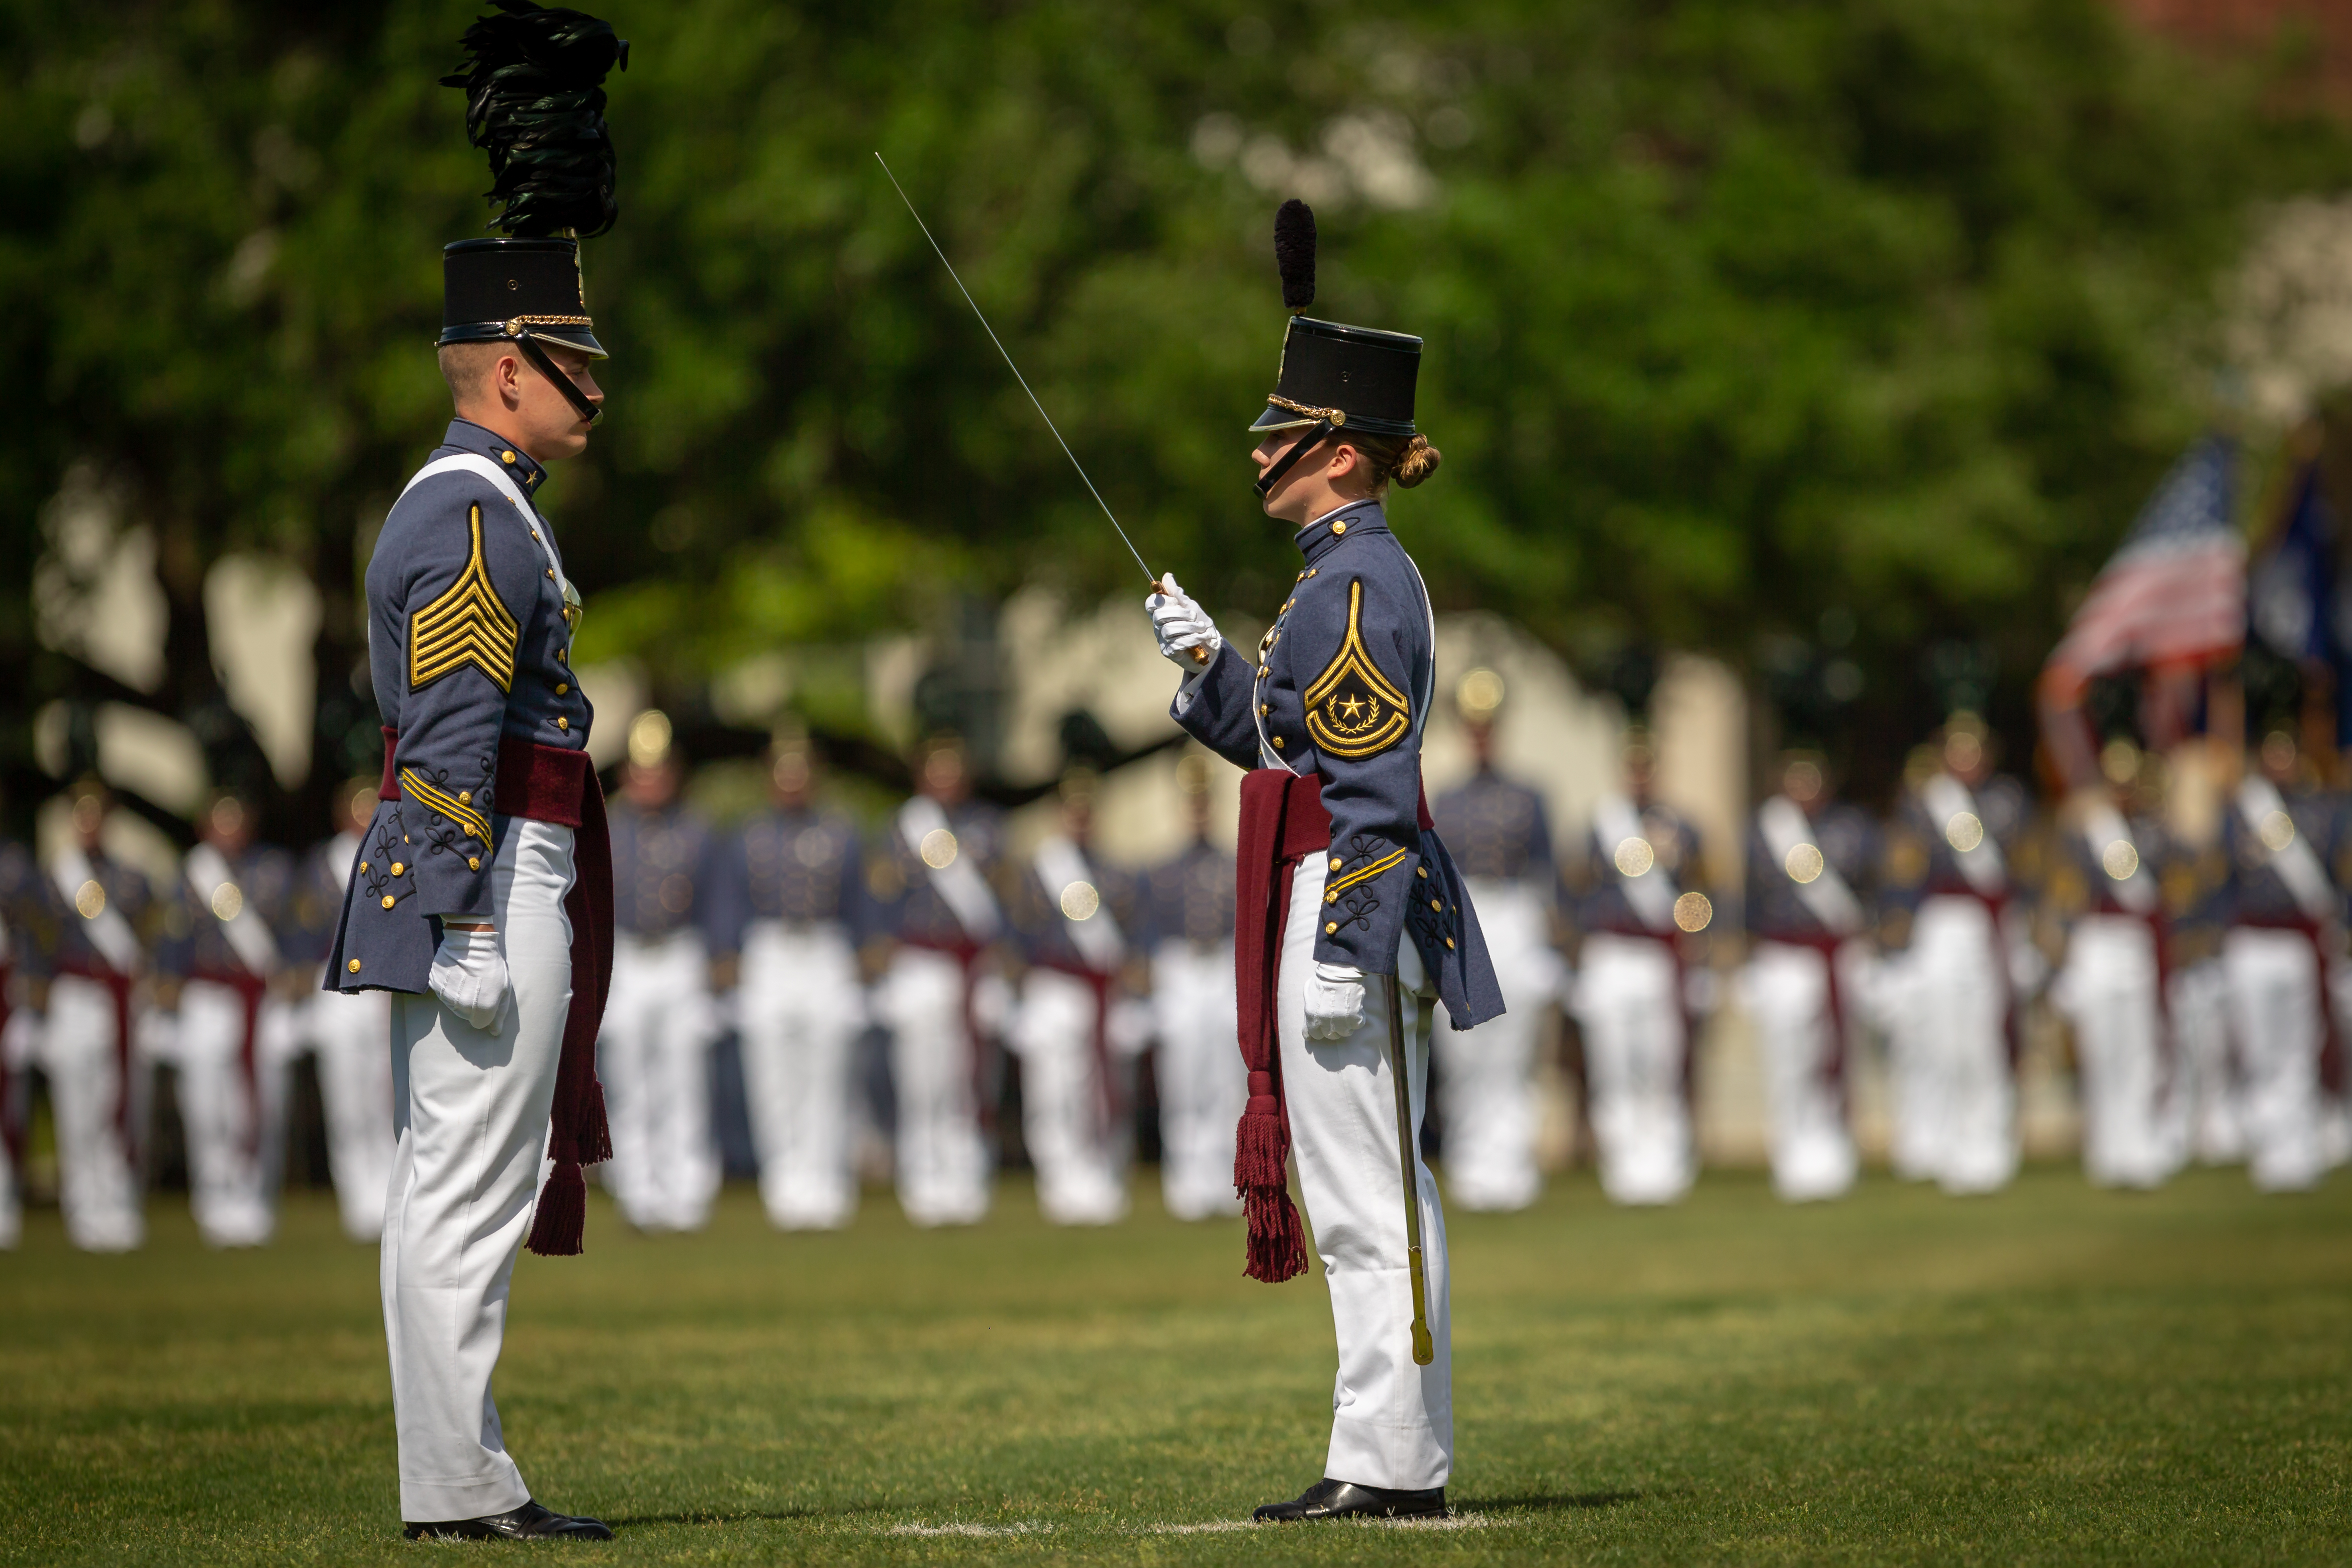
1352	711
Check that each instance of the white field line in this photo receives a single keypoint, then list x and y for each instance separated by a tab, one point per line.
1203	1527
1024	1528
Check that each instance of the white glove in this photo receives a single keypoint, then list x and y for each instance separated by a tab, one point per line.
470	974
1181	624
1335	1001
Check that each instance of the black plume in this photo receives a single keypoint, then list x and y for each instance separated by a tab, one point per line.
1294	253
534	85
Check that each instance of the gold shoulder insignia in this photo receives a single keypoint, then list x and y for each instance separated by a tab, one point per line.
466	625
1352	711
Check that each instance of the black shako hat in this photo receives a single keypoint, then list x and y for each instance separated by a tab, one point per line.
534	92
1350	378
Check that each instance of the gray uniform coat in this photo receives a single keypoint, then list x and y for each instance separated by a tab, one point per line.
467	644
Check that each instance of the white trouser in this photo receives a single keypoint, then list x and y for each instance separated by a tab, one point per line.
1954	1100
1628	1004
1391	1421
226	1131
1487	1107
350	1036
798	1010
97	1186
2275	1001
19	1044
2199	1001
2107	990
654	1057
1067	1107
1786	987
470	1111
943	1163
1204	1085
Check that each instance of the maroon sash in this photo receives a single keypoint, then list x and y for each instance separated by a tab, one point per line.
251	989
555	784
1283	821
97	971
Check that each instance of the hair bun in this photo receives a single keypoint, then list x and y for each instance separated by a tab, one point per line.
1419	462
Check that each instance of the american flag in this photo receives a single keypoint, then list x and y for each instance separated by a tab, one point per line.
2173	594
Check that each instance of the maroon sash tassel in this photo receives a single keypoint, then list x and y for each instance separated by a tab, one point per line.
1283	820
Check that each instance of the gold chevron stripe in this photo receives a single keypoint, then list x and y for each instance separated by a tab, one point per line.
1365	875
466	625
476	825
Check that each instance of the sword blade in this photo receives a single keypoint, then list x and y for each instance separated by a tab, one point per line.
1015	369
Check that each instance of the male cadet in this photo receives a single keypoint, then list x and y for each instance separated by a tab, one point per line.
1810	859
223	925
483	894
1347	901
1639	872
2103	884
106	916
788	892
655	1056
1071	913
347	1031
1952	994
1486	1110
1203	1088
932	882
2285	838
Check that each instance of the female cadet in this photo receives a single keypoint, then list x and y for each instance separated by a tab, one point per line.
1345	896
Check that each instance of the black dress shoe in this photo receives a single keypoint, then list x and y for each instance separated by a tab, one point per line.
1328	1499
529	1522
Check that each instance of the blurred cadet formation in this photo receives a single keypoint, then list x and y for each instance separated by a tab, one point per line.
1890	576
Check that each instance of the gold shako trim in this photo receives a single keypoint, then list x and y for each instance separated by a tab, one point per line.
466	625
1366	874
1338	416
476	825
1352	711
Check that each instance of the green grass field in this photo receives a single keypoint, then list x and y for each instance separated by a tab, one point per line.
2053	1375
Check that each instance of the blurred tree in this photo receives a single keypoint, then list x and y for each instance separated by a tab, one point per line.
1739	317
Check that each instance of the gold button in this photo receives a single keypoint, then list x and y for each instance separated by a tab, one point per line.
1335	862
1449	941
1300	578
397	869
1263	672
1266	707
363	865
564	723
1330	897
1277	743
1338	528
535	534
551	573
354	967
387	900
1331	927
506	457
473	862
1434	904
465	797
1312	569
561	686
1425	871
